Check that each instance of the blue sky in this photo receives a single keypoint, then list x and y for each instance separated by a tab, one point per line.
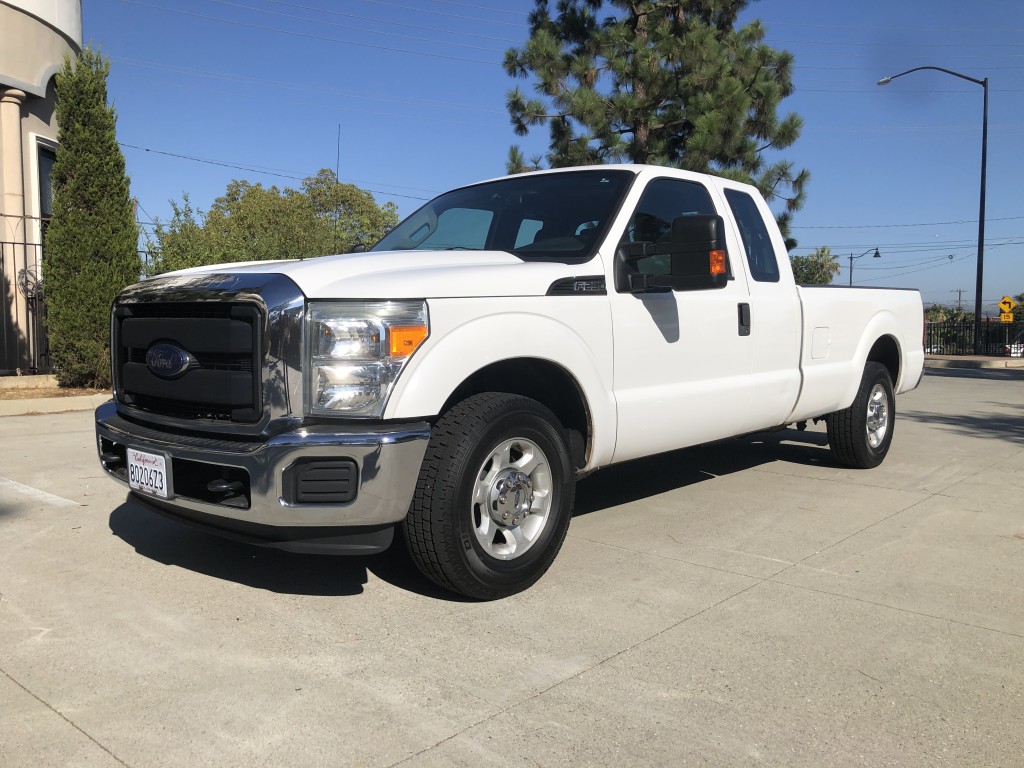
418	91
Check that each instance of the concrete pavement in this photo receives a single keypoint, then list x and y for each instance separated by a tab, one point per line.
746	603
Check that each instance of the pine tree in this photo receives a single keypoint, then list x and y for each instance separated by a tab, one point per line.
90	251
668	82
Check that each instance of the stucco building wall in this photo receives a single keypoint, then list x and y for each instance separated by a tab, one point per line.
35	38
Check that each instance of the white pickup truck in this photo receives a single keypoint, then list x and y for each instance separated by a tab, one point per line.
456	379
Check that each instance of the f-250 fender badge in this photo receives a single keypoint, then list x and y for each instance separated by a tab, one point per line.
168	361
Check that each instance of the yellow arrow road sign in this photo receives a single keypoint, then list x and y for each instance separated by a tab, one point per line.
1007	304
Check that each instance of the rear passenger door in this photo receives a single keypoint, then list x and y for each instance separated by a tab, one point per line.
682	363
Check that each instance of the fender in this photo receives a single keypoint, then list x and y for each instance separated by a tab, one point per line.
831	384
882	323
467	335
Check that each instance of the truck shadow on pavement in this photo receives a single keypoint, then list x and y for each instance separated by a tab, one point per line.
273	570
989	374
1008	427
643	478
165	541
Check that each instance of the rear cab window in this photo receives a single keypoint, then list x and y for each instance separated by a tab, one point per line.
757	242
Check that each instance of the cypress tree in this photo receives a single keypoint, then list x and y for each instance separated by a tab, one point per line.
667	82
90	250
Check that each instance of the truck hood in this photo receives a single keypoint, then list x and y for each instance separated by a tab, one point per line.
414	274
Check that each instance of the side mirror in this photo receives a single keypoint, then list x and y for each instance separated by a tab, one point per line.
357	248
694	259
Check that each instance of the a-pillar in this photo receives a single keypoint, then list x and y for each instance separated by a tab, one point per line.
15	352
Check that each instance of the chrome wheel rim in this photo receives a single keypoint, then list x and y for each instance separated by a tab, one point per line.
878	416
511	498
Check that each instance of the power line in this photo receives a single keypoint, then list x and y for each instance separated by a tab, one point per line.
901	90
354	28
401	7
767	22
251	169
936	260
392	23
985	45
144	211
479	7
306	35
914	271
892	226
246	80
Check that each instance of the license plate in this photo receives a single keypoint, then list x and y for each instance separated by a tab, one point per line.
147	472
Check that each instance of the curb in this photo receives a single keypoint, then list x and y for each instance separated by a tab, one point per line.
28	382
997	363
39	405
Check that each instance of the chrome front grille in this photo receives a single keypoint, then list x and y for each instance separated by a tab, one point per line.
223	344
233	343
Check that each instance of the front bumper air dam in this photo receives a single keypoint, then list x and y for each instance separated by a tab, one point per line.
387	460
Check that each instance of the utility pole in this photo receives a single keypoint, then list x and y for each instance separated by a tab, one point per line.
959	297
337	181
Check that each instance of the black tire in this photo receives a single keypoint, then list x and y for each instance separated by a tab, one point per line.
491	454
859	436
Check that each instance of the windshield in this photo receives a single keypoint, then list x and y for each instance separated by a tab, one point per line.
549	217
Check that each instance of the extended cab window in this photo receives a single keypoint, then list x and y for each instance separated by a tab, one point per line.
662	201
756	240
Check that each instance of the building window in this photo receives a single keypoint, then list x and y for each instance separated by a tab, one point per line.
47	158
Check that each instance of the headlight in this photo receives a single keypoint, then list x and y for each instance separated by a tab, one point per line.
357	350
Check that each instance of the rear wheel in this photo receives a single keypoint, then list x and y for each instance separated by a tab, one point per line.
859	436
494	497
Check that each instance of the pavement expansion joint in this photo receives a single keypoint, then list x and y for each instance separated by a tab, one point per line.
897	608
64	717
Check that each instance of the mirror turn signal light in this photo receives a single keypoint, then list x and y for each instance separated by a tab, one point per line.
718	262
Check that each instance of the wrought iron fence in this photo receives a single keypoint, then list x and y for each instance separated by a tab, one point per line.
23	345
997	339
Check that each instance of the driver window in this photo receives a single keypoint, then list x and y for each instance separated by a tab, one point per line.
662	201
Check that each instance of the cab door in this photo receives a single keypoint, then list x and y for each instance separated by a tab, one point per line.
682	359
776	322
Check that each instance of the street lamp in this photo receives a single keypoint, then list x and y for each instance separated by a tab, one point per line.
981	211
854	258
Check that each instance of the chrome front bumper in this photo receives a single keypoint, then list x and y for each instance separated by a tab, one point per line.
387	462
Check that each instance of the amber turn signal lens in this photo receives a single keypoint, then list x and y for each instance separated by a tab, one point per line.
717	262
405	338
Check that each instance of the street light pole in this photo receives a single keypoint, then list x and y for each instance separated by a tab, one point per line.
854	258
981	207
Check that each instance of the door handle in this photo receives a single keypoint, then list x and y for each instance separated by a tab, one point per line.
744	319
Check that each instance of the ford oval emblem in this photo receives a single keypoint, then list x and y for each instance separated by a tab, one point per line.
168	361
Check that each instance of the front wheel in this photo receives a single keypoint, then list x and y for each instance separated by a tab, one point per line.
859	436
494	497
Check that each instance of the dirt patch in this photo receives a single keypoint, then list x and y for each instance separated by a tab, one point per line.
33	392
